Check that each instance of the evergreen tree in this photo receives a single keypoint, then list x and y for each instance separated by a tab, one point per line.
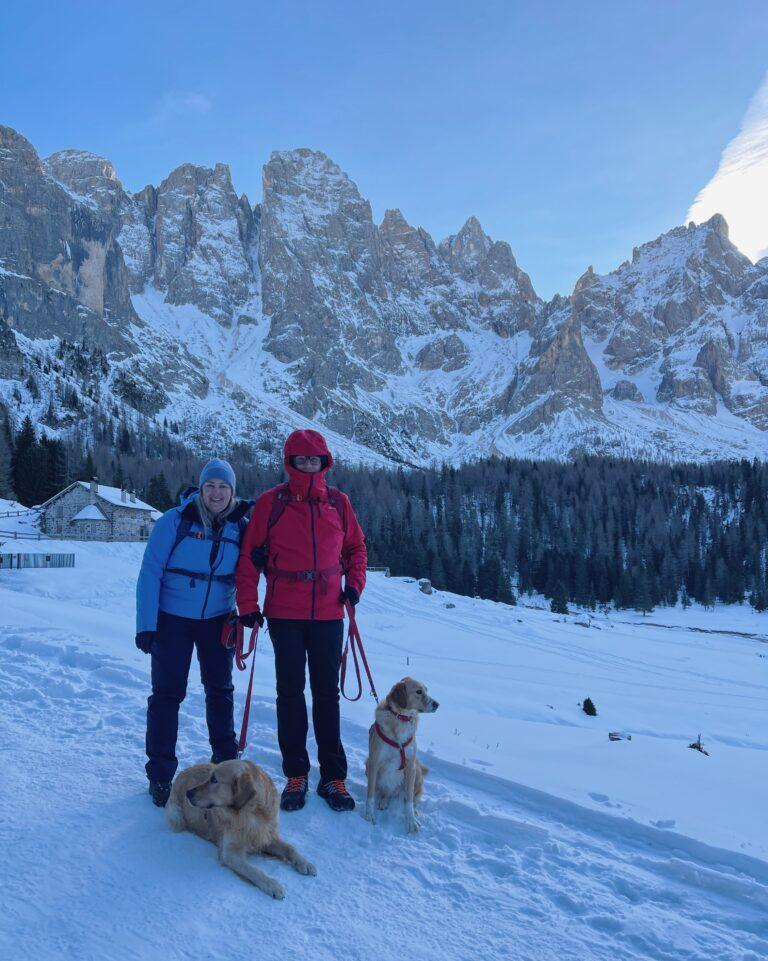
54	468
88	470
157	493
124	443
643	601
559	603
6	449
26	465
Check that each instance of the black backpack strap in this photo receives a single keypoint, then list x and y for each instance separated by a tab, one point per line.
182	531
242	526
260	555
279	503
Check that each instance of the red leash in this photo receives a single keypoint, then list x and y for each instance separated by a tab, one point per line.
355	642
233	635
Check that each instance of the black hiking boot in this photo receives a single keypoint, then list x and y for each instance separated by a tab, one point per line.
294	794
336	794
160	791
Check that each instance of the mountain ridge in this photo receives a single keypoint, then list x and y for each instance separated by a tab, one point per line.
239	321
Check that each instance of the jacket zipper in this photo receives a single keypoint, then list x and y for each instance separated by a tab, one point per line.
314	545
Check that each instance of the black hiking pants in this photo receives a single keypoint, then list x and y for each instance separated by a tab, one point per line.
318	643
171	659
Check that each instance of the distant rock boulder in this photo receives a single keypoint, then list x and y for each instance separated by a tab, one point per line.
626	390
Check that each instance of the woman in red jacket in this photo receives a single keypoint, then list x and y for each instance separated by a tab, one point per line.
304	536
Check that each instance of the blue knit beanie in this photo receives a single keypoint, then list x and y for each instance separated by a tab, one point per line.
218	470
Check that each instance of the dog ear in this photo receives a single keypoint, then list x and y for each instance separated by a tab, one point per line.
399	695
244	790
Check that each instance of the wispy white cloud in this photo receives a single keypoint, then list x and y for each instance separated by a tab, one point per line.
170	108
739	189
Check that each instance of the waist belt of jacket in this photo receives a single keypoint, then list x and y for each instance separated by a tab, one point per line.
200	576
313	575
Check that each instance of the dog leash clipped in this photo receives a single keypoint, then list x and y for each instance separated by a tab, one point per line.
355	643
241	666
235	638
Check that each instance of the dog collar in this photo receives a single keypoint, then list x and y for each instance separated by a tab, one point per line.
406	718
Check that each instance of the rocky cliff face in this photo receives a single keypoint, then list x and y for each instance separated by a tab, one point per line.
681	322
239	322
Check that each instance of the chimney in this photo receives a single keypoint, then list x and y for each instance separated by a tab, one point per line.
133	497
94	489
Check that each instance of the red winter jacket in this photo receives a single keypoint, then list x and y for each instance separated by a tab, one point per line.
310	535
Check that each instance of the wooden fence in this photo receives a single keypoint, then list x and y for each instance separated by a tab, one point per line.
17	561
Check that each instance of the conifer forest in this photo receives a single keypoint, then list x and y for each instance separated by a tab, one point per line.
592	532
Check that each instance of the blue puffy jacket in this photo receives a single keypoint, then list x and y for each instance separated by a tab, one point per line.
197	578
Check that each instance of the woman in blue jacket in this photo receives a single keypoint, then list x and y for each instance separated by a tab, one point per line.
185	591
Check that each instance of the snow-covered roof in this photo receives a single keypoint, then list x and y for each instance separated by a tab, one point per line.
89	513
115	496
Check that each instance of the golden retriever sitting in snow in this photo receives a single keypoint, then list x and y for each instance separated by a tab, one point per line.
234	804
392	767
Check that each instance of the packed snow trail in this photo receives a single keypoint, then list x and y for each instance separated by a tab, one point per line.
498	871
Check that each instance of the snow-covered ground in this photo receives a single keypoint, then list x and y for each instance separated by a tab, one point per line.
541	838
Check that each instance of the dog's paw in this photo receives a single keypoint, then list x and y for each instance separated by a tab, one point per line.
306	867
274	889
411	821
370	814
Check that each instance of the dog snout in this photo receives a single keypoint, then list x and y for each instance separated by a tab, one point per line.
433	705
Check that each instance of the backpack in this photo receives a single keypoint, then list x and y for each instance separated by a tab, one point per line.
185	525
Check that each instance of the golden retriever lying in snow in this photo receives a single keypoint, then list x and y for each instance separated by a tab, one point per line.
235	805
392	767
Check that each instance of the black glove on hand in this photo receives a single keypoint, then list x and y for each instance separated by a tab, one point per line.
259	557
145	641
248	620
349	594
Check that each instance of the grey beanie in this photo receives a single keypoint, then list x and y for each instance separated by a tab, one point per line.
218	470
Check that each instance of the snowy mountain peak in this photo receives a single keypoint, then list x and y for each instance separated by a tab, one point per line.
74	167
14	146
467	249
302	310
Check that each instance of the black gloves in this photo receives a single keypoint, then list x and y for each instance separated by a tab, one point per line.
248	620
349	594
145	641
259	557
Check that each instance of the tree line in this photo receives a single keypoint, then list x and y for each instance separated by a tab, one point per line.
597	531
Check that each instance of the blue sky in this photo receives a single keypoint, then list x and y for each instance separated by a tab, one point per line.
573	130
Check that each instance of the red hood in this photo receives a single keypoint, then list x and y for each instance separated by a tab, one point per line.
306	443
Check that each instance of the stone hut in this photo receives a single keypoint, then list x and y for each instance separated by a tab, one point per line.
89	511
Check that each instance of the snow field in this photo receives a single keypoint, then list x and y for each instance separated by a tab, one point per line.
515	858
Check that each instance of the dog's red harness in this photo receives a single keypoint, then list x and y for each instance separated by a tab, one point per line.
401	747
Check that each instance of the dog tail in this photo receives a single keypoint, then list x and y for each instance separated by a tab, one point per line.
173	813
